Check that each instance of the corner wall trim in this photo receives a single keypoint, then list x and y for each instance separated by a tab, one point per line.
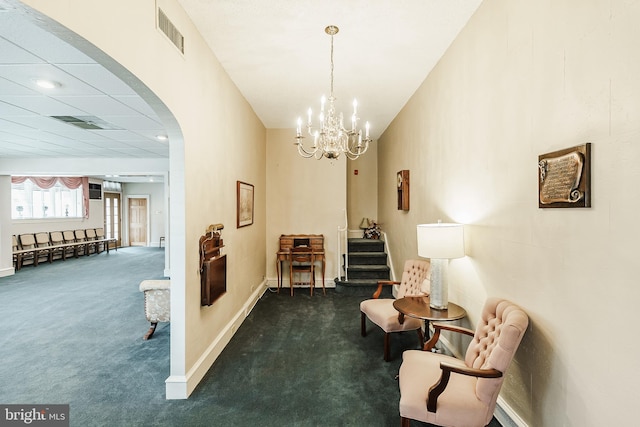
7	271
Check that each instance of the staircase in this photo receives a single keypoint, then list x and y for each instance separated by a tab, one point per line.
367	265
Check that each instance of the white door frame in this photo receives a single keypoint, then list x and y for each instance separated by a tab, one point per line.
143	196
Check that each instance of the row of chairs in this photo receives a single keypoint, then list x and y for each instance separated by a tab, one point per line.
48	246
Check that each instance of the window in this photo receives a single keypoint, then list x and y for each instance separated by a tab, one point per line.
36	198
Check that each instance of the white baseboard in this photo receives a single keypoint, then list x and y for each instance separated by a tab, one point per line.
506	416
180	387
10	271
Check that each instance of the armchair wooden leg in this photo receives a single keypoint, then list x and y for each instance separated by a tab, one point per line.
387	351
363	324
150	332
405	422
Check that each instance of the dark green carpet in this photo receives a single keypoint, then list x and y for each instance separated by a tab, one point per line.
71	332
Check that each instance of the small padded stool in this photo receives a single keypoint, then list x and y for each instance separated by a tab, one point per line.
157	303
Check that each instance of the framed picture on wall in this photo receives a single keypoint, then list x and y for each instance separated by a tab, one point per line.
245	204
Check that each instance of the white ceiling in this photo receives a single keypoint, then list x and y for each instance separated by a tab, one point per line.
275	51
278	54
86	89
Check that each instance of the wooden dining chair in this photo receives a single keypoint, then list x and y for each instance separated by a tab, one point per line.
301	262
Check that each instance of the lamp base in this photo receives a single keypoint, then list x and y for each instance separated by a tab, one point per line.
439	295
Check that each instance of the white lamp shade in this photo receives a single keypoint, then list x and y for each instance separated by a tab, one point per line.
441	241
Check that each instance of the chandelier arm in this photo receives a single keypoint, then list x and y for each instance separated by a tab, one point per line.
361	148
356	153
304	153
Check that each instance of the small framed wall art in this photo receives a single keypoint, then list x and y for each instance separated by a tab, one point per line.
245	204
564	178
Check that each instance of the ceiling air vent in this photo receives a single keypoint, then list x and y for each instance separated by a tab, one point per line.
170	31
86	122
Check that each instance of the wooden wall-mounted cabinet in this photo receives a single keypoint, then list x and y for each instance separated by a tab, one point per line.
403	190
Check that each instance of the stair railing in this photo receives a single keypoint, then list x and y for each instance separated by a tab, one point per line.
343	236
389	258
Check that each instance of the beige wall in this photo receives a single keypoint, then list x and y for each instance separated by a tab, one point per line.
526	78
216	139
362	197
306	196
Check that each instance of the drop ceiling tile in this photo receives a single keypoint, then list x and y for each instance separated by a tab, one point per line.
100	78
99	106
21	31
26	74
134	122
8	87
10	110
139	105
12	54
120	135
44	105
14	127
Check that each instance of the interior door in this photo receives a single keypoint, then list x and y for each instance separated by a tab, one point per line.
112	218
138	222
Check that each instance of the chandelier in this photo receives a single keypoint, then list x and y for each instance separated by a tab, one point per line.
330	138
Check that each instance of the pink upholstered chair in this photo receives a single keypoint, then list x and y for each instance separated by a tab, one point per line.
415	281
445	391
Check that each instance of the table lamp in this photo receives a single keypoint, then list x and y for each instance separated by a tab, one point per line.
440	243
365	223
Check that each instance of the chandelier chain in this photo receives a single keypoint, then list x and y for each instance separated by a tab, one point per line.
331	91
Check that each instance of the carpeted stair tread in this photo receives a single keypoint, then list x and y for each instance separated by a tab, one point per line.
365	245
367	264
361	287
372	267
367	258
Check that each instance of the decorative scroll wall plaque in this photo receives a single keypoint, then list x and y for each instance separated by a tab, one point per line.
564	178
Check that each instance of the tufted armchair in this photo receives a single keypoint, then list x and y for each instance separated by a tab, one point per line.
415	281
157	300
430	393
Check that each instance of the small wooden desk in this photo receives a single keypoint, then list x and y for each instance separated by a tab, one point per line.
288	241
418	307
